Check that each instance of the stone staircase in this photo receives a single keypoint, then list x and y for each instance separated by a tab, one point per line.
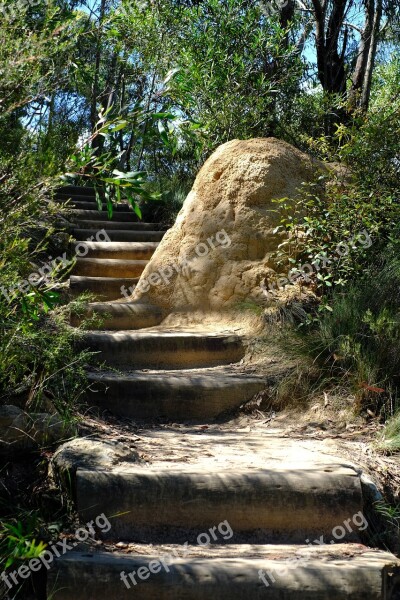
203	511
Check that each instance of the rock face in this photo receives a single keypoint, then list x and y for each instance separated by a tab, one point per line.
220	249
22	432
89	455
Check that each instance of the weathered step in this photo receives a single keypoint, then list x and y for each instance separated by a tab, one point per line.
116	250
340	572
108	267
171	484
200	395
170	350
77	190
76	197
116	316
89	205
127	216
102	288
95	225
274	504
121	235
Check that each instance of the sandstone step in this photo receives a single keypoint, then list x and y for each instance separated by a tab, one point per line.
173	483
127	216
162	349
77	190
76	197
108	267
116	316
79	205
169	483
89	205
340	572
115	250
95	225
121	235
194	395
102	288
171	503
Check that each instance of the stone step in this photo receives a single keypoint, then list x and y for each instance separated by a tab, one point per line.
102	288
180	396
76	197
127	216
115	250
340	572
88	205
166	349
170	503
108	267
167	484
117	316
121	235
94	226
77	190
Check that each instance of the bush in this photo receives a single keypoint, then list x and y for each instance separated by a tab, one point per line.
38	362
356	340
353	336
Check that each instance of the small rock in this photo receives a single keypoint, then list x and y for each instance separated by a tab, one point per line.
90	455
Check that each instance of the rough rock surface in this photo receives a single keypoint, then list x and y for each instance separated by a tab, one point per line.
22	432
89	454
220	249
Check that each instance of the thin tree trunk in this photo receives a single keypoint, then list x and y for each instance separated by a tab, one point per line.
363	51
96	78
366	91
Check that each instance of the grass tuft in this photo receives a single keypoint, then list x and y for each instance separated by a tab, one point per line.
388	440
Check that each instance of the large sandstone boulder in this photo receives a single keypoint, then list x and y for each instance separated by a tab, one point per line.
220	249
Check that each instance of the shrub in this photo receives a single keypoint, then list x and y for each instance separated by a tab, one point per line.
356	340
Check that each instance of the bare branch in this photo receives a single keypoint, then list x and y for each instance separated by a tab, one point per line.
352	26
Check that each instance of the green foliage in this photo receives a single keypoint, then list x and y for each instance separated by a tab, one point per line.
173	192
18	540
388	442
357	341
39	364
333	229
37	48
357	205
371	145
99	168
236	69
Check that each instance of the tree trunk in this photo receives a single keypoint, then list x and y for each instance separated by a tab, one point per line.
366	90
363	51
96	77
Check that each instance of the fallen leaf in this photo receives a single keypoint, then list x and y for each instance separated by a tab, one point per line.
372	388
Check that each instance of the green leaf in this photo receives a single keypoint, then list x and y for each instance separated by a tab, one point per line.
163	115
137	210
115	128
98	199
